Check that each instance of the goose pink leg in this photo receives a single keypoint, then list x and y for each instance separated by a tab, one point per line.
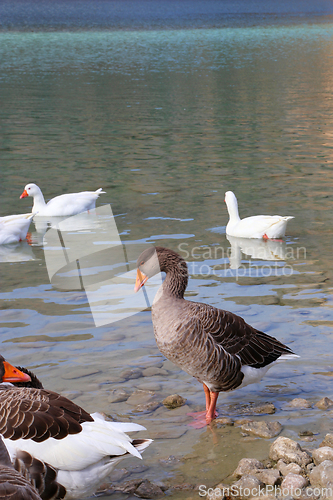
203	418
211	413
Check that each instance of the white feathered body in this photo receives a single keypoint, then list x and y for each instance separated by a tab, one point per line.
64	205
85	459
257	226
14	228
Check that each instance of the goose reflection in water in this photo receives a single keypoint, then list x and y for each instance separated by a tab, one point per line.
257	249
16	252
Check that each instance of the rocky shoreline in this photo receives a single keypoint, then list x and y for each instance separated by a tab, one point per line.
290	471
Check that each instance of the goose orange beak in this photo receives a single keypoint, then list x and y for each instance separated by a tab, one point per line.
140	280
24	194
12	374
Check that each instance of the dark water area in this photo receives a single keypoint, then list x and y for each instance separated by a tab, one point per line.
155	14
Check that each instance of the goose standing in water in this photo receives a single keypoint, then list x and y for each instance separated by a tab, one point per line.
82	448
217	347
257	226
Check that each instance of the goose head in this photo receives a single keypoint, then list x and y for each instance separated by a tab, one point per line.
32	382
147	266
9	373
30	190
154	260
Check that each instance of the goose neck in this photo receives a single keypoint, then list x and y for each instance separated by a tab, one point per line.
176	280
39	202
232	207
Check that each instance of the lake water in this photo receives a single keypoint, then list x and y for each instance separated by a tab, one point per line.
167	105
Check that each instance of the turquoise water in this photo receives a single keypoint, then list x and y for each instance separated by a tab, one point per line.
166	113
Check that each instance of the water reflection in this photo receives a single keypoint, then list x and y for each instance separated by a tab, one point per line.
264	250
16	252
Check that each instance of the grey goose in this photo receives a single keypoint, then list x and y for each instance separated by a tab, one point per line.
215	346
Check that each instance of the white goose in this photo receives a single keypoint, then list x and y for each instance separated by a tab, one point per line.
258	226
64	205
14	228
82	448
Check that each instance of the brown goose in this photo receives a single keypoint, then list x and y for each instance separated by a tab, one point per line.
27	479
14	485
82	448
215	346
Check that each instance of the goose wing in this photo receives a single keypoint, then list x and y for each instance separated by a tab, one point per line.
225	329
38	414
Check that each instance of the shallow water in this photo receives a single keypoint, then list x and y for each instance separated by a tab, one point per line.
166	113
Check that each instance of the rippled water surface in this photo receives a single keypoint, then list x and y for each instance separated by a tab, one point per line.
166	112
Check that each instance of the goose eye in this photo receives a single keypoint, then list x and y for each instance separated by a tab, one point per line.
142	262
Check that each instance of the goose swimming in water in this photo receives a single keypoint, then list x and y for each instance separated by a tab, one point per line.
217	347
257	226
14	228
82	448
64	205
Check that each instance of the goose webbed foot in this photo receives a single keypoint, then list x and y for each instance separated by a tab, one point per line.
203	418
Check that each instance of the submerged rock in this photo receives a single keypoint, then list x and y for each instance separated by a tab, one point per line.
152	371
140	397
263	429
324	403
298	403
247	466
224	421
118	475
289	451
174	401
328	441
133	373
117	396
262	408
147	489
148	407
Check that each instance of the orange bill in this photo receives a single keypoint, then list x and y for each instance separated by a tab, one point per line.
12	374
24	194
140	280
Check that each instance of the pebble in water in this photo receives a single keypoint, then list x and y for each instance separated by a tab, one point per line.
174	401
247	466
298	403
263	429
328	441
324	403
